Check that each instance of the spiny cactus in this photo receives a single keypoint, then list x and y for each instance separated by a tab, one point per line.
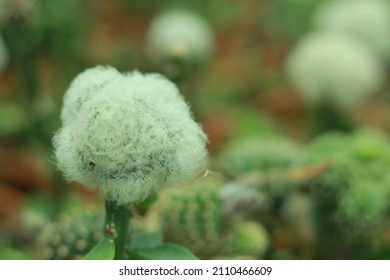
246	238
331	149
357	179
370	146
350	158
363	208
259	154
192	216
71	236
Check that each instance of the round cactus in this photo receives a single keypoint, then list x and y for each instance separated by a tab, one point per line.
367	21
332	149
357	177
192	216
246	238
259	154
370	146
180	34
362	208
84	87
71	236
333	69
128	135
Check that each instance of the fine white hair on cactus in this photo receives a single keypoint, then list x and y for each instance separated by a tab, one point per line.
367	21
328	67
85	85
133	136
181	34
3	54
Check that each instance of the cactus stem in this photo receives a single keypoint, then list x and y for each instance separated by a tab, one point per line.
116	226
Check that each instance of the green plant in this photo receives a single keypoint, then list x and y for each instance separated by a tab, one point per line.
194	216
127	135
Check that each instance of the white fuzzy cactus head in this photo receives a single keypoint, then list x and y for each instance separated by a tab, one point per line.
366	20
83	87
128	135
331	68
181	34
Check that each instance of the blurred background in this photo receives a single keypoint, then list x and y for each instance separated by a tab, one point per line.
293	95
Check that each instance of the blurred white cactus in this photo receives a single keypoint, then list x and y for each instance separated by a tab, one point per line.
328	67
366	21
180	34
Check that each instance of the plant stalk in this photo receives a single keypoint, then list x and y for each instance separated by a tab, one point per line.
116	227
328	118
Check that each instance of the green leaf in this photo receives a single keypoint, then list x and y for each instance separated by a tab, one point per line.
166	251
146	240
104	250
9	253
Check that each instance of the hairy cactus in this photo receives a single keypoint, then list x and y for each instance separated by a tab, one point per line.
180	34
367	21
128	134
334	69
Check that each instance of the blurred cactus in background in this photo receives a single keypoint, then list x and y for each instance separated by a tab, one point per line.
259	154
193	217
247	240
71	237
366	21
332	69
334	74
290	19
180	34
179	40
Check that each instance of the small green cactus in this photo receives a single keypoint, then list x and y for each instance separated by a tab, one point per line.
71	236
357	179
259	154
333	149
192	216
246	238
363	154
362	209
370	146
